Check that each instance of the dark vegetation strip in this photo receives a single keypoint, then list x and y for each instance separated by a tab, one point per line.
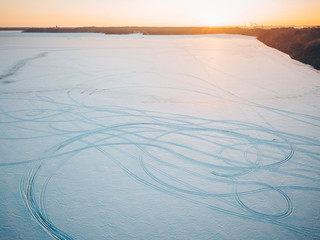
13	28
302	44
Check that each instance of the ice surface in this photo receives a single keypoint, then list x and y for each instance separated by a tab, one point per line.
156	137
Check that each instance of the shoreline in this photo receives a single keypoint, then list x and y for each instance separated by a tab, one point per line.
301	44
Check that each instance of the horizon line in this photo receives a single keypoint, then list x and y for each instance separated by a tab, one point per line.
163	26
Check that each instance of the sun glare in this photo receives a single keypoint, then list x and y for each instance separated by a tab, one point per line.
217	19
157	13
212	13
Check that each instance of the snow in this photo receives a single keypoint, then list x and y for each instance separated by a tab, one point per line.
156	137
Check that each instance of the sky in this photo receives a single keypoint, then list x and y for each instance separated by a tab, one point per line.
74	13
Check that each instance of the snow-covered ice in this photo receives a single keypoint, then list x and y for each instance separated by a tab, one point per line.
156	137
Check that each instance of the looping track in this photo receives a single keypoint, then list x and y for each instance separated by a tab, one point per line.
196	126
197	150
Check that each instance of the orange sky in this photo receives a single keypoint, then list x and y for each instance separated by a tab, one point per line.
72	13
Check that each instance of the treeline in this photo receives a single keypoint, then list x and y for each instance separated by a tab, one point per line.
302	44
13	28
143	30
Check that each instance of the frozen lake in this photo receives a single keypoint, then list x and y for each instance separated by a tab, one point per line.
156	137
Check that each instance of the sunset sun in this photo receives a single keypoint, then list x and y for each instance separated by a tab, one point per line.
216	18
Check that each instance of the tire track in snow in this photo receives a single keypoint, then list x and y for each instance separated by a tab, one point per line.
148	131
19	65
